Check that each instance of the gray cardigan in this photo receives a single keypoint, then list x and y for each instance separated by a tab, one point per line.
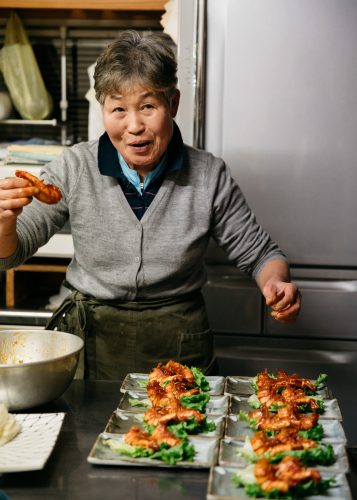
116	256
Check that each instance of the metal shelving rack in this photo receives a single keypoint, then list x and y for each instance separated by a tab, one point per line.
53	122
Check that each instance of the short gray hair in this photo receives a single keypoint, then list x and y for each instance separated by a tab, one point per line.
136	58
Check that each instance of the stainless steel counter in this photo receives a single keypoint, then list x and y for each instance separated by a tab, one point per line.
68	475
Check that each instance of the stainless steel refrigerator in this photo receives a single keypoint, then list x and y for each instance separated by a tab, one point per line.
272	88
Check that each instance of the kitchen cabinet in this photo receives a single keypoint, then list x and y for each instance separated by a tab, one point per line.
30	269
85	4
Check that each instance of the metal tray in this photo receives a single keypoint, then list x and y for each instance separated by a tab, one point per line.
333	430
217	404
228	456
121	421
206	454
135	382
240	403
242	386
220	486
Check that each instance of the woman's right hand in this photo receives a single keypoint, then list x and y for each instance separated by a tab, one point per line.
15	193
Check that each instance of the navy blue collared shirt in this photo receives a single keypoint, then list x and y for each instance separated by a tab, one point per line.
108	164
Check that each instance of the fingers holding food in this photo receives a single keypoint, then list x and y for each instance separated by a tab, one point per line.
14	195
47	193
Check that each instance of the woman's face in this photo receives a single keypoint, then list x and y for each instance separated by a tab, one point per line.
140	125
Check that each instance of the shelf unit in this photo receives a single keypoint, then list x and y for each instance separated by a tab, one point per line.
85	4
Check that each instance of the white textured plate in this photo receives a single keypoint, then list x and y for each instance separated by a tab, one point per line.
30	449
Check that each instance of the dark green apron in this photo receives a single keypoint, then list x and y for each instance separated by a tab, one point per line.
133	337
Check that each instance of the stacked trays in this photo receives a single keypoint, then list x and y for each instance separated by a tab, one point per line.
239	389
130	411
217	450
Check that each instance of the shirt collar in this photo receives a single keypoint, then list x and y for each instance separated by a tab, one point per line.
109	164
134	177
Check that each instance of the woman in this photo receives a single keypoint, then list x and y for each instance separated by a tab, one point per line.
142	207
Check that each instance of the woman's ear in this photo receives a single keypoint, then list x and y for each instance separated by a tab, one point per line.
174	103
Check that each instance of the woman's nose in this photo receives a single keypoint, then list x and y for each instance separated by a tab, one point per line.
135	124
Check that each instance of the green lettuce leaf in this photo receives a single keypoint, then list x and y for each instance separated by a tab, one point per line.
195	402
138	402
302	490
169	455
323	454
190	426
200	379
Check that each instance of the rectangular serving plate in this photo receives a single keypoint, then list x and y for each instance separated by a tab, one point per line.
243	386
218	405
333	430
229	457
221	487
137	382
331	407
101	454
121	422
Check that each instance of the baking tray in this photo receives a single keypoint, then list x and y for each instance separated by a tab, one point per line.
137	382
121	421
221	487
216	405
332	409
101	454
228	456
333	430
243	386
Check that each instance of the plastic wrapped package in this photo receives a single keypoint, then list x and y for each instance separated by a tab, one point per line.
22	74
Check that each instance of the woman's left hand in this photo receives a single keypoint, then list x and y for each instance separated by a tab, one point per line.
284	299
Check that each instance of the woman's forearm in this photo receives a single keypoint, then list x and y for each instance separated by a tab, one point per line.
8	240
276	270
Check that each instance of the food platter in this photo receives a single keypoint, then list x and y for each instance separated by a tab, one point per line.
136	382
206	454
138	402
243	386
333	430
121	421
221	487
228	456
331	407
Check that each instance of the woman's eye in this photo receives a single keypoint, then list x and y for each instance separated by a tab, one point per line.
118	110
148	106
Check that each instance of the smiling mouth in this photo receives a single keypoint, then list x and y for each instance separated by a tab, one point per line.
139	145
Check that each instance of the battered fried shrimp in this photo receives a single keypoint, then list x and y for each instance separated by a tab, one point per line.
172	370
298	397
286	417
138	437
162	435
285	475
285	380
178	388
48	193
287	439
158	415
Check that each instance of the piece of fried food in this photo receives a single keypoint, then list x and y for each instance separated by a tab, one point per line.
48	193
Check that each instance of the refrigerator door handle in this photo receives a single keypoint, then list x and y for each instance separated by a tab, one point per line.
337	285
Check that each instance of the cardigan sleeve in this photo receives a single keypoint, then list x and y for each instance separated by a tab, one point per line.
234	226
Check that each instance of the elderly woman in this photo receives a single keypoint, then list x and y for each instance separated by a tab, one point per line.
142	208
